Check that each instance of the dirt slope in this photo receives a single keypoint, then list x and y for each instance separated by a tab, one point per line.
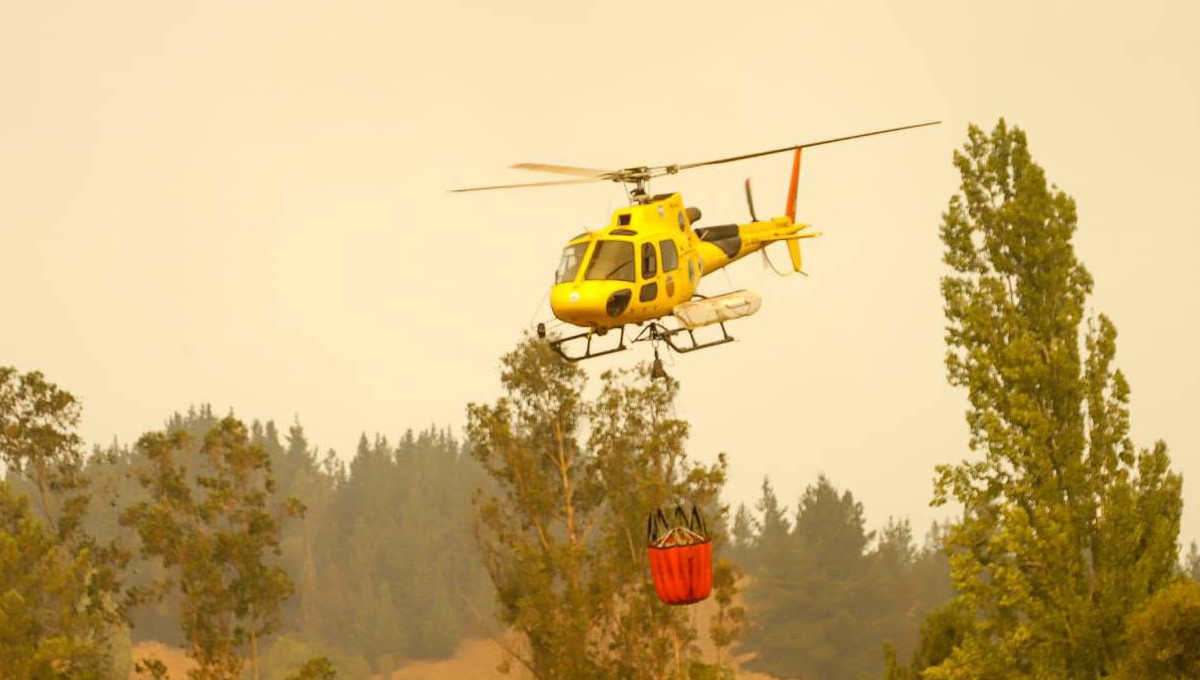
177	662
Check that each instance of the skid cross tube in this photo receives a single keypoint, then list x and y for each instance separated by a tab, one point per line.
655	332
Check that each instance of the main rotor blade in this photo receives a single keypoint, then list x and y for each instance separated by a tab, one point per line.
562	169
529	184
803	146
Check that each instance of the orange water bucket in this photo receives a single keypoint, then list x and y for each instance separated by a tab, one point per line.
680	557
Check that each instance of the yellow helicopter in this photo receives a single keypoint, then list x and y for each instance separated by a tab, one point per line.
644	267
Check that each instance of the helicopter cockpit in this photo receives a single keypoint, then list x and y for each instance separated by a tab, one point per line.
568	265
611	260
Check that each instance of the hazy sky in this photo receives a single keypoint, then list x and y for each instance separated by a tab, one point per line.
244	203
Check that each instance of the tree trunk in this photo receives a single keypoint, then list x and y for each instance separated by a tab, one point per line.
253	654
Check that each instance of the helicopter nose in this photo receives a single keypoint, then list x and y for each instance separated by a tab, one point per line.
568	304
593	305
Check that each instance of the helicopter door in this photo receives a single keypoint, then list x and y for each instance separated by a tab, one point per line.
670	265
649	268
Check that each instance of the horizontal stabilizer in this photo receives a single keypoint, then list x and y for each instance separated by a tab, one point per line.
788	237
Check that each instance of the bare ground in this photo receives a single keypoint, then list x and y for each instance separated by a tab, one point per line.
476	659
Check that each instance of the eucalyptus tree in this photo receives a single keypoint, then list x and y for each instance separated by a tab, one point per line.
212	521
60	588
560	527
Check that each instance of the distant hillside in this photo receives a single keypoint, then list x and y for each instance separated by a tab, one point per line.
476	659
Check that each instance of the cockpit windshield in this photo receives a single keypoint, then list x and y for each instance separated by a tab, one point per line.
611	261
568	266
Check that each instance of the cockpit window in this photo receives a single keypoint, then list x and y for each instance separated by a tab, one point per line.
568	266
611	261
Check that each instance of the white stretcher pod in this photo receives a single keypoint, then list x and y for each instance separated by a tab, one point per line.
735	305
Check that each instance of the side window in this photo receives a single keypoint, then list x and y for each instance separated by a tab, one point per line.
670	256
648	292
649	261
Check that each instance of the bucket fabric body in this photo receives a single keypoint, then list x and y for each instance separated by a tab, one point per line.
682	573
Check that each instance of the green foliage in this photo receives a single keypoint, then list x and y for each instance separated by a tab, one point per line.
1066	528
210	519
1164	636
319	668
395	570
1191	563
943	630
59	587
728	624
384	560
38	444
561	534
824	593
287	656
741	534
151	669
46	617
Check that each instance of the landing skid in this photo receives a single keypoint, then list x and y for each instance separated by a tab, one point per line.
653	333
557	344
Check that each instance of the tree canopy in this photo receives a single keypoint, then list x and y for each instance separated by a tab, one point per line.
560	533
1067	528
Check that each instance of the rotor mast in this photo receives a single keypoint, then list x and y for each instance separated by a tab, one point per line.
637	179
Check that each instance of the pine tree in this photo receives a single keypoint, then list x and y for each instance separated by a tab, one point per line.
824	596
301	478
775	551
836	634
1191	564
771	595
1066	528
742	536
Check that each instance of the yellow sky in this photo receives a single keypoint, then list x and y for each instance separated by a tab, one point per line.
245	203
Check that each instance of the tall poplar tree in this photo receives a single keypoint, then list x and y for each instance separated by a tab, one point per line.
1067	528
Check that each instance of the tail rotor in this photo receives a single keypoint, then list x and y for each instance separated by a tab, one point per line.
750	201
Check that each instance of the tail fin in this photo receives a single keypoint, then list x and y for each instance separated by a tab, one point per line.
793	245
793	187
